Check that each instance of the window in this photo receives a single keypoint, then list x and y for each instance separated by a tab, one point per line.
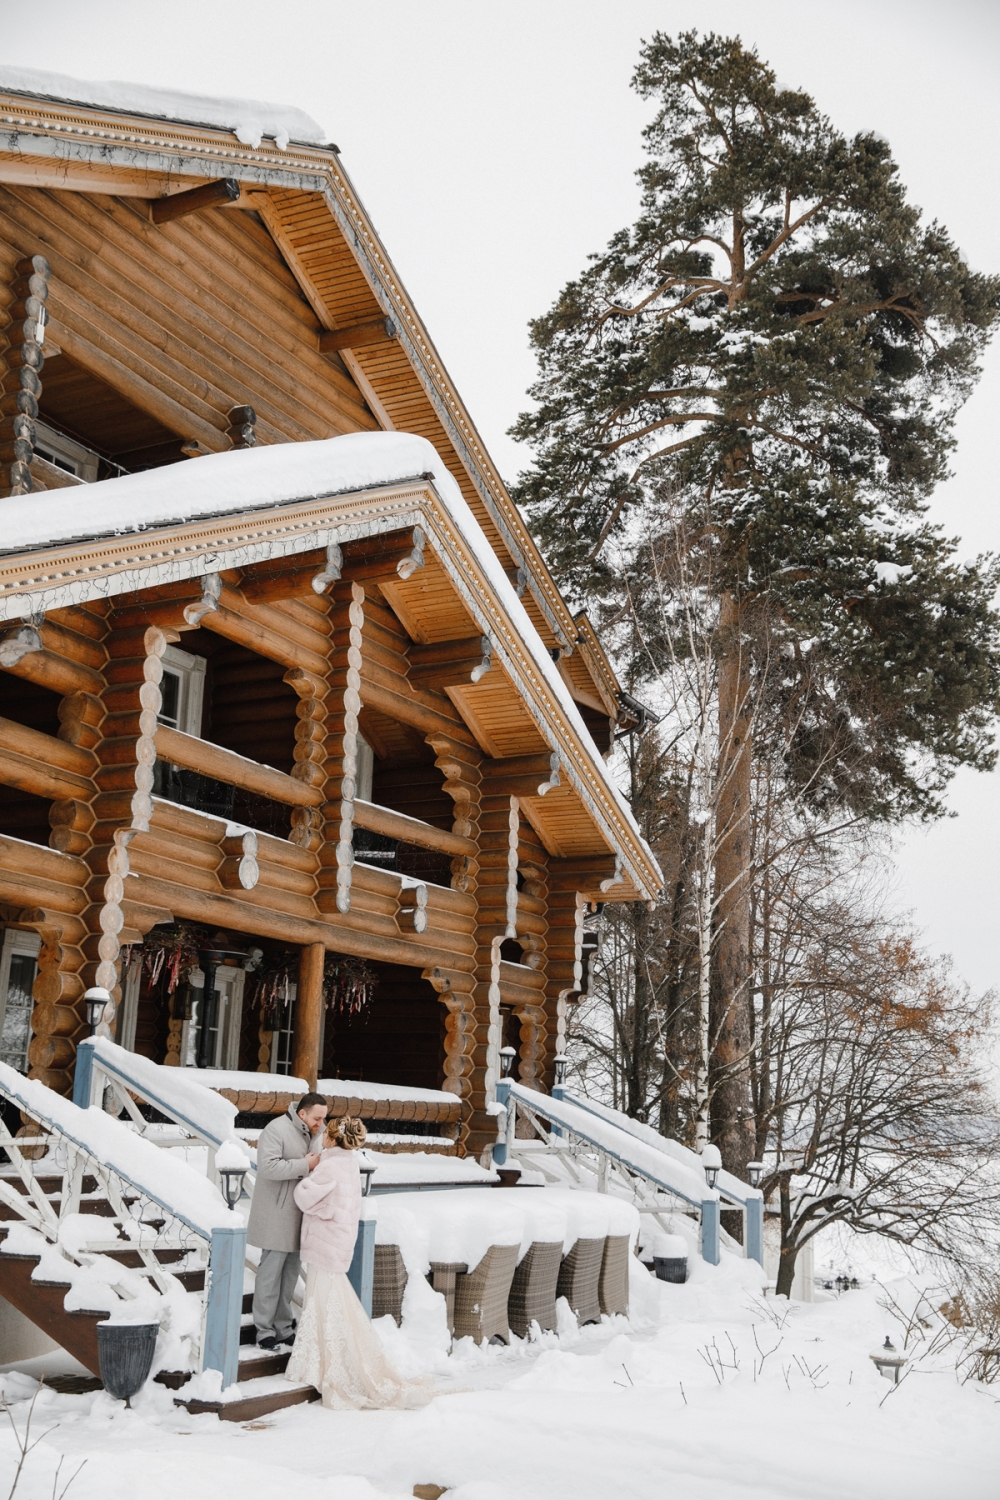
182	691
365	769
283	1036
66	454
224	1048
18	967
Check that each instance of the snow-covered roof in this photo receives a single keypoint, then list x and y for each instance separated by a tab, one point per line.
252	479
250	120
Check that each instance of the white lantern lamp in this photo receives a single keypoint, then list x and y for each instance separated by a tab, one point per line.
888	1361
711	1161
755	1171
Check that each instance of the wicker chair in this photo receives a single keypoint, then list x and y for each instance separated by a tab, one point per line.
579	1278
389	1283
533	1291
481	1296
613	1284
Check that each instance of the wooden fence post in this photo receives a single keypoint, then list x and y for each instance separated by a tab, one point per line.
224	1303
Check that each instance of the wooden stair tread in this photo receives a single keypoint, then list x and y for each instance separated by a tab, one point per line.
250	1404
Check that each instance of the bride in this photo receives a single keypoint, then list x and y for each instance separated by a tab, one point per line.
336	1348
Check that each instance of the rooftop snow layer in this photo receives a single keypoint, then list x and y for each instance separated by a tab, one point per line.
284	473
249	119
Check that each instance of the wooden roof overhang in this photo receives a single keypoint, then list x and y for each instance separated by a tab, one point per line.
310	207
514	711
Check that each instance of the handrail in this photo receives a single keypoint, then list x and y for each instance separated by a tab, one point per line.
109	1143
561	1112
730	1188
96	1055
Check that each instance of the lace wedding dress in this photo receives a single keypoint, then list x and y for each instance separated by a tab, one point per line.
338	1351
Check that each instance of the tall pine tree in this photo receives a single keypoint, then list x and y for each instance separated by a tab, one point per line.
783	342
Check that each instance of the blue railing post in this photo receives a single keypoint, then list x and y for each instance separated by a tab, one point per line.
83	1077
710	1231
500	1147
224	1305
362	1272
558	1092
755	1230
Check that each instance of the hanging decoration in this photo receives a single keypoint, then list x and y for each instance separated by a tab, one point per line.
270	986
172	949
348	984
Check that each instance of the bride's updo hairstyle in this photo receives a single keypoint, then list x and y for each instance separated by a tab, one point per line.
347	1132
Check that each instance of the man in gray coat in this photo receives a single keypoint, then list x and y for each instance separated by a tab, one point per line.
284	1155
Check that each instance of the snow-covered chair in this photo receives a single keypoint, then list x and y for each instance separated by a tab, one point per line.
533	1291
613	1283
481	1296
389	1283
579	1279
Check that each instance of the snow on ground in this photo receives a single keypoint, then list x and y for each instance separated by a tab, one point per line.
628	1409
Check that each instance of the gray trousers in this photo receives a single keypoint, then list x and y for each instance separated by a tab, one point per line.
277	1274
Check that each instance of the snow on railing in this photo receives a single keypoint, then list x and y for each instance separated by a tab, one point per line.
730	1187
665	1169
89	1140
191	1105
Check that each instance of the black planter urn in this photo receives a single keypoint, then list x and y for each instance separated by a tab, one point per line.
125	1352
671	1268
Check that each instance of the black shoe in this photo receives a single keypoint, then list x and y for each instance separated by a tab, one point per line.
268	1342
288	1340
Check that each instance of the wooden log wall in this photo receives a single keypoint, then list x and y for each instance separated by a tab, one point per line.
185	319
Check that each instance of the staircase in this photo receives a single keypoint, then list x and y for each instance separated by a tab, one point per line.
596	1146
92	1214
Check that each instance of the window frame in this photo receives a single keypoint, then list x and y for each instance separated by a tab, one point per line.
21	943
190	671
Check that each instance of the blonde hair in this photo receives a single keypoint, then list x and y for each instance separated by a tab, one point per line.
348	1132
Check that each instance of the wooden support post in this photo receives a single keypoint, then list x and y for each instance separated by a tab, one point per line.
20	382
309	1014
225	190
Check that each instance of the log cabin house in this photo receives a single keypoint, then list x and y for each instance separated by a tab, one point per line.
312	729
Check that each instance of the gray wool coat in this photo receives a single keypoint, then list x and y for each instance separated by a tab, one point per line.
275	1217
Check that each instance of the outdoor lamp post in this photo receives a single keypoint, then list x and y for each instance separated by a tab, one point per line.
888	1362
232	1165
507	1056
561	1063
711	1161
96	999
367	1173
755	1171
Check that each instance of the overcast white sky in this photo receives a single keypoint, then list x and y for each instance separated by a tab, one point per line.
494	142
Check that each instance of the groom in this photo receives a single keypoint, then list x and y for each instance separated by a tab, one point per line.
284	1155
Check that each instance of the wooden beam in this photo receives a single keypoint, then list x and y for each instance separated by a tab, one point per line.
396	825
374	331
408	711
225	190
43	765
224	765
309	1014
450	663
522	775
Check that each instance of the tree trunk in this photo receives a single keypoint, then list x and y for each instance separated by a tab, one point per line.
789	1249
732	1127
